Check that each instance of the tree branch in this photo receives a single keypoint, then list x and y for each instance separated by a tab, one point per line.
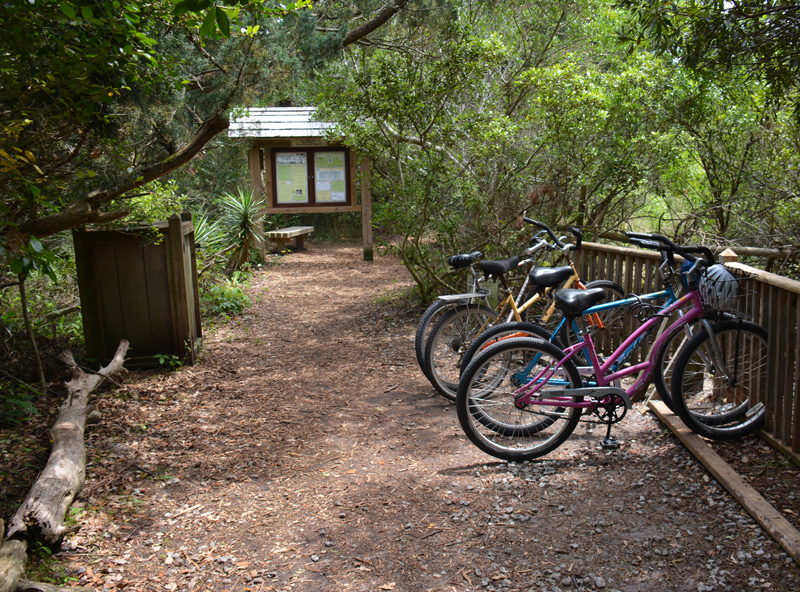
383	15
87	211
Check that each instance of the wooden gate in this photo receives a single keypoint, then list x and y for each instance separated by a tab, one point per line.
140	284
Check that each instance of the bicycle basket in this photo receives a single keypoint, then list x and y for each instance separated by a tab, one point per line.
720	288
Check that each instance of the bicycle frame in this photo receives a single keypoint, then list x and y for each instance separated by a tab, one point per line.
667	294
605	375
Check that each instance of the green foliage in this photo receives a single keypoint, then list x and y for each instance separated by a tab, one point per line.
224	298
241	218
16	404
461	131
32	257
168	360
54	261
753	37
157	202
46	567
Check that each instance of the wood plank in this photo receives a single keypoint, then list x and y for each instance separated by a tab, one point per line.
90	308
795	443
177	271
787	369
135	309
772	279
106	278
157	292
778	527
290	232
255	161
312	209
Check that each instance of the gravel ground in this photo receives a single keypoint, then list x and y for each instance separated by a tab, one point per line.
307	452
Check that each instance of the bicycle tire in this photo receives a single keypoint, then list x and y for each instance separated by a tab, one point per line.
728	411
665	362
488	414
447	341
497	333
426	321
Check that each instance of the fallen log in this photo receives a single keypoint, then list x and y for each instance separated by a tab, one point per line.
41	515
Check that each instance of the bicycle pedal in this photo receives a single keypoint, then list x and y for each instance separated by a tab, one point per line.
610	443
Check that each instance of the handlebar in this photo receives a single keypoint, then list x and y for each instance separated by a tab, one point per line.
578	237
561	245
658	242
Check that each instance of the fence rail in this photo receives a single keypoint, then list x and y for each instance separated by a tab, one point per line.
773	302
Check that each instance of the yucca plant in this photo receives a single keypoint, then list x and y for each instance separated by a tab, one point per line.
241	217
210	239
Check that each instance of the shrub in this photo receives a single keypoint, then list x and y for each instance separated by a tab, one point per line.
224	299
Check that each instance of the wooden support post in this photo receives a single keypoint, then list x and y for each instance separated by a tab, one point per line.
195	291
366	209
180	299
254	161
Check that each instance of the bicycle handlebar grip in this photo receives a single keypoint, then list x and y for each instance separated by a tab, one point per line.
687	252
702	250
645	243
578	237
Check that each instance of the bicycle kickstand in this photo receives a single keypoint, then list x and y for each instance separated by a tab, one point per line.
609	442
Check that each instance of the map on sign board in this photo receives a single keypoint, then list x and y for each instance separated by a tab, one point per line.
292	177
329	175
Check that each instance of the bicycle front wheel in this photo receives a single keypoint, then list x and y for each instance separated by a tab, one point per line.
720	378
448	340
487	399
497	333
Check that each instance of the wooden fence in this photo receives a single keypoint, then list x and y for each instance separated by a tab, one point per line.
772	301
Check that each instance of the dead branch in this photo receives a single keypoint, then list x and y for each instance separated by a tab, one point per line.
41	515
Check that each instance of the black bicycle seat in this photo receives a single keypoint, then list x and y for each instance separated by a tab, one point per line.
573	302
549	277
498	268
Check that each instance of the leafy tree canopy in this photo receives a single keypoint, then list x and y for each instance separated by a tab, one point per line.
759	37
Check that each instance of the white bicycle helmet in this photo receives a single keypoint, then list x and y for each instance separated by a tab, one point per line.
718	288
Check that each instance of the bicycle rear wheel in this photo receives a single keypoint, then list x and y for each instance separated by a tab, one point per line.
428	319
720	378
448	340
486	402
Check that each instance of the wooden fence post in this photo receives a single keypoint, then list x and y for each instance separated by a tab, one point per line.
728	256
366	209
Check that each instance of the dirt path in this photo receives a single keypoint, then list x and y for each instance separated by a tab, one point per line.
307	452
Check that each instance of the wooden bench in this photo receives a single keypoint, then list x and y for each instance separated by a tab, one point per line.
282	236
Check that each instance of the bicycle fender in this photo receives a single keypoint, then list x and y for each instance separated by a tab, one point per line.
462	297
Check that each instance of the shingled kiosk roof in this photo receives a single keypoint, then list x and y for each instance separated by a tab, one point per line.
277	122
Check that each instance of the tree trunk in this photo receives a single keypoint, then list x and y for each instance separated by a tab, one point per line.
41	515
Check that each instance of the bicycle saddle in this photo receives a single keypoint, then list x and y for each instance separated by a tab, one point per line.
549	277
573	302
498	268
464	259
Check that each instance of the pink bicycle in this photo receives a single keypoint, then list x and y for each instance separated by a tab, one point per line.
522	398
